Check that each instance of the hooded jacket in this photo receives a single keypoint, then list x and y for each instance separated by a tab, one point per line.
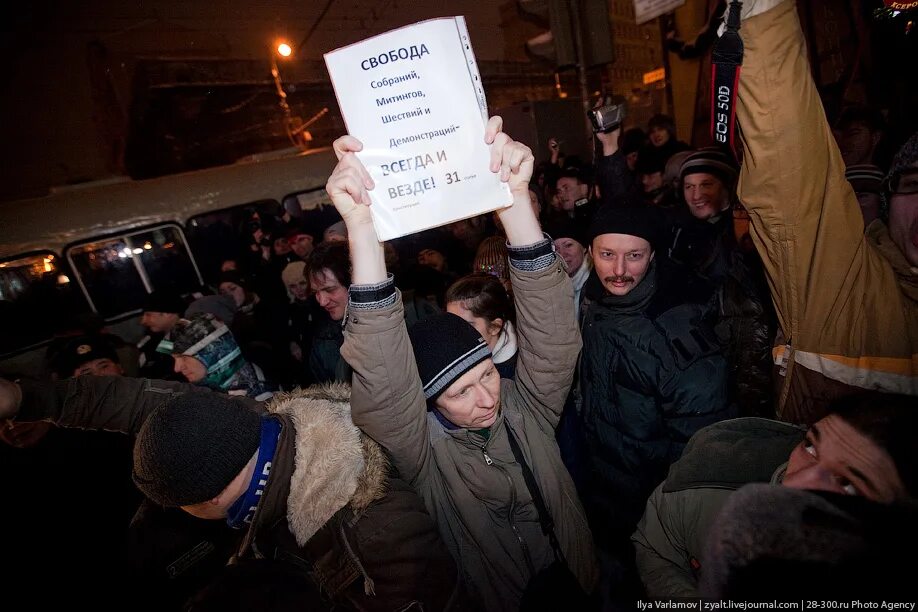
845	303
669	540
329	507
470	483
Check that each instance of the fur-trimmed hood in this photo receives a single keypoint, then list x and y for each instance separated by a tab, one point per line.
335	463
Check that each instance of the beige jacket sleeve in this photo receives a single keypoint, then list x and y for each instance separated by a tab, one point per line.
387	398
548	342
836	297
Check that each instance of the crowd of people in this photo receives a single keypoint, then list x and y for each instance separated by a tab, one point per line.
584	399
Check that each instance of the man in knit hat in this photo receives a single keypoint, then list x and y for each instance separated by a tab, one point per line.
864	448
708	180
846	299
161	311
294	480
649	169
651	374
455	431
867	182
704	240
301	242
206	354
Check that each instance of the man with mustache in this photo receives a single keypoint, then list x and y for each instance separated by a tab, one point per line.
651	373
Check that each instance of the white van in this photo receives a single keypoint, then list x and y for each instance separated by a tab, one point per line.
102	247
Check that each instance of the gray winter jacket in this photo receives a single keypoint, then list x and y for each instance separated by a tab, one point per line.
471	484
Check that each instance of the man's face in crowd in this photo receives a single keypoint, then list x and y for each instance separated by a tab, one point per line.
473	400
234	291
621	261
704	194
659	136
838	458
569	191
330	294
631	160
98	367
301	245
857	143
652	181
572	252
903	214
432	259
189	367
159	322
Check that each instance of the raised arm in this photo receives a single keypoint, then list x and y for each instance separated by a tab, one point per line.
548	338
806	223
112	403
387	400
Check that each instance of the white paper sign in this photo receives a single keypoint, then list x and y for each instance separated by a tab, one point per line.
413	97
645	10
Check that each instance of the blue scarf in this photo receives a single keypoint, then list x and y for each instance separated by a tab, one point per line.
242	512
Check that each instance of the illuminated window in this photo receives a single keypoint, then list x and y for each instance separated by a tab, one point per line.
118	272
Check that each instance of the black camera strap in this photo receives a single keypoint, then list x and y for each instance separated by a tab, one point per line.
726	60
548	525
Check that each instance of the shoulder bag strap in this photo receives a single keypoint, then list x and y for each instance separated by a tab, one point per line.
548	525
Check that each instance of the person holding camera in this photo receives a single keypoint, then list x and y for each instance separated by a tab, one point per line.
479	450
614	179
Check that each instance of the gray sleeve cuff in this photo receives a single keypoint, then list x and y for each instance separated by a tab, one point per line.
375	296
532	257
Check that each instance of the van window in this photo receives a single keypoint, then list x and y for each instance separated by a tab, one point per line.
37	298
118	272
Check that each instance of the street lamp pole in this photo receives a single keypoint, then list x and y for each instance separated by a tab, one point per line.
295	128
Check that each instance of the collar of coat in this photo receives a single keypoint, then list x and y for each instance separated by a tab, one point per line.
335	464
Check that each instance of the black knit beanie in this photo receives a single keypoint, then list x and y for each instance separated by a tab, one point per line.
445	348
641	221
190	448
165	301
565	227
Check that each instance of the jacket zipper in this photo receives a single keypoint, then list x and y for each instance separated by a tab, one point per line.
516	532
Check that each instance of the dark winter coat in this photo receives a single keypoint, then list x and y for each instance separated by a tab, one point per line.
745	318
649	379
